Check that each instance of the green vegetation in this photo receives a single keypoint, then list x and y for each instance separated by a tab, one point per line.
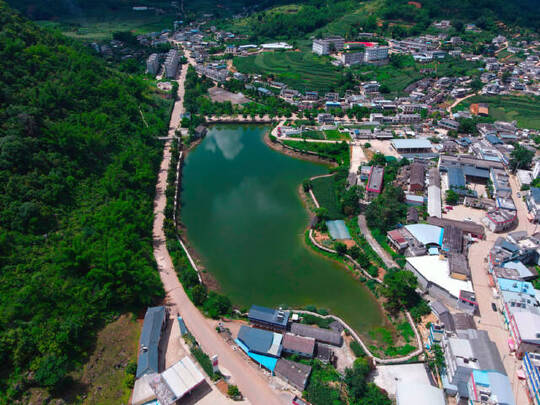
203	360
357	349
521	158
300	70
325	193
451	197
338	152
524	109
77	168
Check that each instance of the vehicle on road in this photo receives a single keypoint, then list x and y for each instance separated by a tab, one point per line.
494	307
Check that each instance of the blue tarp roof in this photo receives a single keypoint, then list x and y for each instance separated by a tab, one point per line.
150	335
426	234
265	361
516	286
338	229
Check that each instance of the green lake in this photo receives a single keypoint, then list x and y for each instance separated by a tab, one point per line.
244	217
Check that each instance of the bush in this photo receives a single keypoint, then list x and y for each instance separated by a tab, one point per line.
357	349
203	360
340	248
233	391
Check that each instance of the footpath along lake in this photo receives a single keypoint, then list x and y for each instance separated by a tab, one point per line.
244	217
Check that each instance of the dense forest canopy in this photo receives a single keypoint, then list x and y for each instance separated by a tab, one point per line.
77	178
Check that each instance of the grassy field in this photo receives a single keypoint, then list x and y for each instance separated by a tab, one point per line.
300	70
335	135
323	188
99	25
524	109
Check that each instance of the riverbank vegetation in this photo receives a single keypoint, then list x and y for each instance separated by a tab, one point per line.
211	303
77	168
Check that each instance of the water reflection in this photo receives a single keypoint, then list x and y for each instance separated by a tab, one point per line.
229	146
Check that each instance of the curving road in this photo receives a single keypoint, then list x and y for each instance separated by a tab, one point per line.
250	382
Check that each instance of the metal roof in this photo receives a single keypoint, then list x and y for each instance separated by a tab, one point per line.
498	383
268	315
149	341
338	229
298	344
426	234
182	377
456	177
261	341
417	143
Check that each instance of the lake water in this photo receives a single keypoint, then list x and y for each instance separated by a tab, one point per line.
244	217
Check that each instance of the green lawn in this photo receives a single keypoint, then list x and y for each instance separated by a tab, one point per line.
524	109
335	135
324	191
300	70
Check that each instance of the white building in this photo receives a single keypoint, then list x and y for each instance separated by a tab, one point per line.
324	46
152	64
376	53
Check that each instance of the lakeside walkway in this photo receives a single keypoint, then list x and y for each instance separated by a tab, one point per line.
251	383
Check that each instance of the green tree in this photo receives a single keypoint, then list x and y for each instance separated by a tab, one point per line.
340	248
399	289
452	197
521	158
199	294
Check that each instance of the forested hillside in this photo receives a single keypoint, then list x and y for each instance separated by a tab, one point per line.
77	177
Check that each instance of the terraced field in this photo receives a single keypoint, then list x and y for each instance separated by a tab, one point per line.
525	110
303	71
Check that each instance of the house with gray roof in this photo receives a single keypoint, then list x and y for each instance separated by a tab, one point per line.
319	334
154	322
261	341
268	318
295	374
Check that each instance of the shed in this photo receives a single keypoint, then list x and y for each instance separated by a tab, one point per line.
458	266
319	334
412	215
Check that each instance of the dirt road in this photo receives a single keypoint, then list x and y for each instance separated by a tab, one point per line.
383	254
252	384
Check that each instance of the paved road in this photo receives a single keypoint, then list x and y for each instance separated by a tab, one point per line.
489	320
384	255
252	384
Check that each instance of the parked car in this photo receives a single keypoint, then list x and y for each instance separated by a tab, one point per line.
494	307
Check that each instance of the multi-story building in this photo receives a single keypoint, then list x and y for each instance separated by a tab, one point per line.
375	53
328	45
531	365
152	64
351	58
486	387
171	63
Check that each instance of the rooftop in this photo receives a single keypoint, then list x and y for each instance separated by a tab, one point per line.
319	334
261	341
268	315
298	343
419	394
436	271
149	341
417	143
426	234
297	373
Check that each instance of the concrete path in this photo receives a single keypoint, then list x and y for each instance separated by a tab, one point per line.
250	382
384	255
357	157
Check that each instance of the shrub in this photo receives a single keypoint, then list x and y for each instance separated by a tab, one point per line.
357	349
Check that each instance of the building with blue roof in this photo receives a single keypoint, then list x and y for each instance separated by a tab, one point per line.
154	322
517	286
486	386
456	178
268	318
261	341
494	140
